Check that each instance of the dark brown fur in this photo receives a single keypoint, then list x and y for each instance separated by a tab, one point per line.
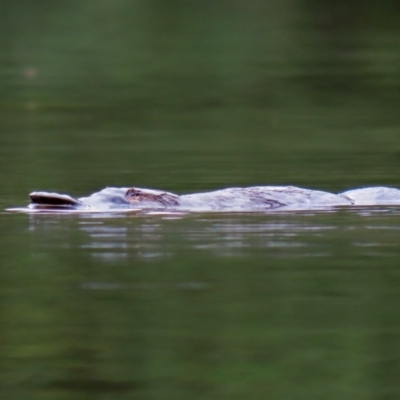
53	199
166	199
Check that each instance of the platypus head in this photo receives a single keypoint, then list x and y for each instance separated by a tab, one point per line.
151	198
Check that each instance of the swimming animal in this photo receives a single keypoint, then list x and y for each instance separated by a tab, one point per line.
249	199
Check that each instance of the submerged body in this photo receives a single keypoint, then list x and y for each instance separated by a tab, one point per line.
251	199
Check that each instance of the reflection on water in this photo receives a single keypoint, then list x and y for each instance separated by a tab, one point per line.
299	234
300	304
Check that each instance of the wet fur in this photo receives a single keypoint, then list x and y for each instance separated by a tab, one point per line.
166	199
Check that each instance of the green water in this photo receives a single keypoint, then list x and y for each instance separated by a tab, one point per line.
186	97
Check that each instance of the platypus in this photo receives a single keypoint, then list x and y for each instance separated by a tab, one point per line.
248	199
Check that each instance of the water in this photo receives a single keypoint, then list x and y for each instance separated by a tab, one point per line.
191	98
202	305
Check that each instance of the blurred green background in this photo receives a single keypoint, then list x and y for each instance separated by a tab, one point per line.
197	95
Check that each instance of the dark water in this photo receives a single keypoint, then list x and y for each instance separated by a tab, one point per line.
301	305
192	97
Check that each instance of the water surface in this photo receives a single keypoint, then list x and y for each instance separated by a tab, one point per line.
300	304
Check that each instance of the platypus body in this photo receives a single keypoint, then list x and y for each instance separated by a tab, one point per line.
250	199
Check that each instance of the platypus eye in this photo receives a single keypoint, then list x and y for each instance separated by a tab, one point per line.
132	193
